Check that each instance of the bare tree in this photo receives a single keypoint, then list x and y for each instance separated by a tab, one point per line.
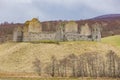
113	62
37	66
63	64
73	64
53	65
91	64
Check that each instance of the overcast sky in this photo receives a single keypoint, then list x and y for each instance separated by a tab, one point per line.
22	10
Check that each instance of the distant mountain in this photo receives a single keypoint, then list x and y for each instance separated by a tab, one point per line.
109	16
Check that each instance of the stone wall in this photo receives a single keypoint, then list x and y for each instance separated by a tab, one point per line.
72	34
35	26
76	37
18	34
67	31
85	30
60	34
71	27
25	31
96	32
41	36
26	36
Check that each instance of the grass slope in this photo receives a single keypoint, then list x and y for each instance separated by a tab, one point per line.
18	57
114	40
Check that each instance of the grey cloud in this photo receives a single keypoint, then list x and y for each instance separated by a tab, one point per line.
21	10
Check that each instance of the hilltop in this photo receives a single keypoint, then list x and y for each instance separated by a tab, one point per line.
109	16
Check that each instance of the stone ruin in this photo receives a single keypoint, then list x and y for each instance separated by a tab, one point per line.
65	31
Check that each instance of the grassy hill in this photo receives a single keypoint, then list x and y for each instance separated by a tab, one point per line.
18	57
114	40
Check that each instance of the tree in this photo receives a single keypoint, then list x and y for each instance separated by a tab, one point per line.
111	62
37	66
63	66
73	64
91	65
53	65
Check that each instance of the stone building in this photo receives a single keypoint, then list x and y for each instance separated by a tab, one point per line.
65	31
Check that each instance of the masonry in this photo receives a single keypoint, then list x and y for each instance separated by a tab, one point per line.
33	30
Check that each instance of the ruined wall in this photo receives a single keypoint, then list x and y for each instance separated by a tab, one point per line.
33	31
65	31
60	33
42	36
71	27
50	26
35	26
85	30
18	34
96	32
25	31
76	37
26	36
71	33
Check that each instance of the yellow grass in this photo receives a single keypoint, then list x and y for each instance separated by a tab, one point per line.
18	57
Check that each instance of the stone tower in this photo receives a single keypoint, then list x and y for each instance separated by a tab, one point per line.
96	32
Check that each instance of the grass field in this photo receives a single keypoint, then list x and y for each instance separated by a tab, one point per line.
114	40
18	57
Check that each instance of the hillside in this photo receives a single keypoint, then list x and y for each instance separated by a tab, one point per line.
19	57
114	40
109	16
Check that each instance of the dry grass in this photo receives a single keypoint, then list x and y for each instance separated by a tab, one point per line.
18	57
